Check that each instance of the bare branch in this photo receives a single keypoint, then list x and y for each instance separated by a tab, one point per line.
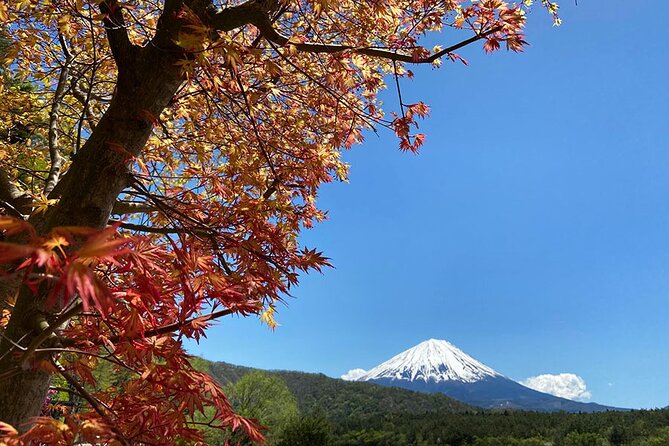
48	332
9	191
133	207
12	197
117	35
251	12
84	99
151	229
162	330
92	400
54	151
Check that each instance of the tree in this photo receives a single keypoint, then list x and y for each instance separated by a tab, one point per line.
309	430
660	438
181	150
265	399
584	439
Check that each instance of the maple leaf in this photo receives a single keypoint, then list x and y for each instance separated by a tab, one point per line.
42	203
13	226
8	432
491	45
104	244
56	241
9	252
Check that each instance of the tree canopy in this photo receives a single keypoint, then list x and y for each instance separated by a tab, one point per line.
158	160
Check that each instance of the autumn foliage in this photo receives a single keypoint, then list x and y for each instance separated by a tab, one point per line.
158	160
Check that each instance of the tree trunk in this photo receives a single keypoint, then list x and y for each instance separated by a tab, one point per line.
98	174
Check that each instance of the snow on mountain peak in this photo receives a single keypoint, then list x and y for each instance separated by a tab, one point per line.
432	360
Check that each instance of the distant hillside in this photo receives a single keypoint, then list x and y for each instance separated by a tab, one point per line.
342	400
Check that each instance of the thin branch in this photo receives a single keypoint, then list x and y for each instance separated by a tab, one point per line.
133	207
12	197
54	151
93	401
111	358
122	49
259	139
84	99
150	229
91	81
64	389
165	329
399	89
12	210
48	332
264	25
162	330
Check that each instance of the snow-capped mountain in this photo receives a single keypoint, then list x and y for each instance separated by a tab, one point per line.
437	366
432	360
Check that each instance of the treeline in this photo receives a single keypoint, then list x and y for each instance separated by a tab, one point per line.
483	428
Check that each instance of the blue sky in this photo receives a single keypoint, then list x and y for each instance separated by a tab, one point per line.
532	231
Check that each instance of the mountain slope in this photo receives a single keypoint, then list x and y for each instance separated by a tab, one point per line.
437	366
342	400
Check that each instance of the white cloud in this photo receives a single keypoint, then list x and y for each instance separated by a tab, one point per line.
565	385
353	375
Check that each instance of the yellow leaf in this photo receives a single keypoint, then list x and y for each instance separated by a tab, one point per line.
267	317
4	14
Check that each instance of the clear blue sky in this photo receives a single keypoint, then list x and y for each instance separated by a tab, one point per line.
532	231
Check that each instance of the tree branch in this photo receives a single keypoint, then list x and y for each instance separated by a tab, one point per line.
158	331
258	12
151	229
9	191
251	12
264	25
84	99
48	332
93	401
122	49
133	207
12	197
54	151
165	329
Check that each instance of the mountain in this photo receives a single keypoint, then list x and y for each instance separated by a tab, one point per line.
431	360
437	366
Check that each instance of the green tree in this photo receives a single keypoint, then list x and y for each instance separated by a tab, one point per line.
264	398
310	430
661	437
619	435
585	439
